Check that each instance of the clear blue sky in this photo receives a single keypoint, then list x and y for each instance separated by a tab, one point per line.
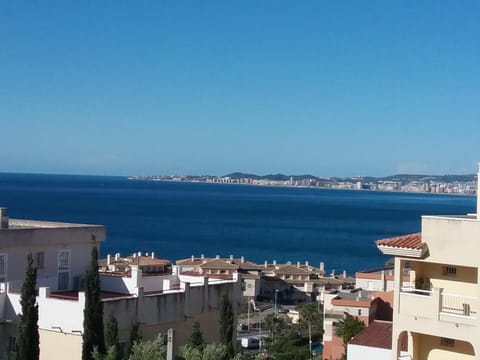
331	88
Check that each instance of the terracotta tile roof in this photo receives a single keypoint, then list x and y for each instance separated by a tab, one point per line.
378	335
410	241
189	261
219	264
291	270
147	260
242	263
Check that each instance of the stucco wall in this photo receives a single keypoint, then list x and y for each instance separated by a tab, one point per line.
60	346
451	240
429	348
358	352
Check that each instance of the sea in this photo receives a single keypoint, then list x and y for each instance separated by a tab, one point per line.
179	219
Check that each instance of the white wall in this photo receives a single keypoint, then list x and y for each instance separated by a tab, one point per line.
66	314
359	352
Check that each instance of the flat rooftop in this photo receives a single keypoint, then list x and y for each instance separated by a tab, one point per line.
18	224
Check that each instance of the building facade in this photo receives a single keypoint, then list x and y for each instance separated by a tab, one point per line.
438	308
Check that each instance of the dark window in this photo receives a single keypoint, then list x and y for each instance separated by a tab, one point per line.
447	342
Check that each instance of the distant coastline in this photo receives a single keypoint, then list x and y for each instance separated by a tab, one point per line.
408	183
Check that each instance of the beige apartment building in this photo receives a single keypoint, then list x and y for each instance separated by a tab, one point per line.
438	308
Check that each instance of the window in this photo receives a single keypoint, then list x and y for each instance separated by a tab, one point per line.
63	269
64	260
450	271
12	344
39	260
3	267
447	342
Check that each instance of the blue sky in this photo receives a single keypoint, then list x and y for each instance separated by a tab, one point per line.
331	88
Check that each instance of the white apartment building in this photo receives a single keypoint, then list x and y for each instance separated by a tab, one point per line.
61	253
438	308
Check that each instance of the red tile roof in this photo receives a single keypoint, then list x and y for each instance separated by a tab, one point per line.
410	241
378	334
219	264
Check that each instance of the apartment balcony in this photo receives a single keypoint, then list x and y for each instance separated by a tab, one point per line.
438	305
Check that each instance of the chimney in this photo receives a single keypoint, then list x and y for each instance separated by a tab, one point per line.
193	258
344	273
153	255
117	256
242	259
298	264
3	218
306	263
274	262
266	263
231	257
134	255
217	256
202	256
333	272
478	193
322	266
139	253
109	259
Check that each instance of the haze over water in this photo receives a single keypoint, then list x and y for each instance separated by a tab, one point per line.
176	220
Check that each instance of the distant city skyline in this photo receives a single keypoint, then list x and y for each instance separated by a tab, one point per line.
184	87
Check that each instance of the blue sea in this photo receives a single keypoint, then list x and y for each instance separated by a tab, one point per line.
177	220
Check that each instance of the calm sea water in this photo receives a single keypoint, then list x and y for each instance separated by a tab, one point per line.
177	220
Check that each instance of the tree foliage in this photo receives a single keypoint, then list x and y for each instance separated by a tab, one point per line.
227	322
111	336
133	338
309	315
28	343
148	350
111	354
196	338
289	346
209	352
214	352
348	327
93	313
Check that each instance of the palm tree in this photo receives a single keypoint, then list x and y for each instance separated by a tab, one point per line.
347	328
309	315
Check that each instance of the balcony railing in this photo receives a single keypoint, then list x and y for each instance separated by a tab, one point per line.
437	304
453	304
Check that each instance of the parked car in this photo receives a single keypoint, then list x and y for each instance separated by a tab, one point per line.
250	342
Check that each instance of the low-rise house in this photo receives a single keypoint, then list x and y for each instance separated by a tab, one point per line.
374	342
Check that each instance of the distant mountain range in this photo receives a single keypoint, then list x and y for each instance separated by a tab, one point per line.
398	177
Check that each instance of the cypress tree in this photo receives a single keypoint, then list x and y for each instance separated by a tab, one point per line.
28	343
111	336
196	338
93	313
226	325
133	338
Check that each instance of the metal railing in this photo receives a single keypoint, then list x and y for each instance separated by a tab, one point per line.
453	304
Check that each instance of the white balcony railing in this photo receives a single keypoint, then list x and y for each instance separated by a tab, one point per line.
437	304
453	304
